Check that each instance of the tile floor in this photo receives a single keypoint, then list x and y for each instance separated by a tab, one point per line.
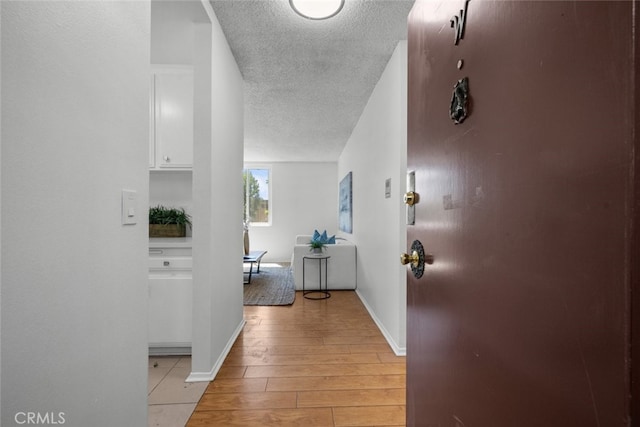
171	400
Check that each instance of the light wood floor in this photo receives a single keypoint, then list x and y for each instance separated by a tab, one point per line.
315	363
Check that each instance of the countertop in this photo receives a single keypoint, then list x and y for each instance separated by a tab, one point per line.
169	242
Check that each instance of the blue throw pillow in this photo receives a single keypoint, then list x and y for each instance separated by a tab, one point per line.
323	238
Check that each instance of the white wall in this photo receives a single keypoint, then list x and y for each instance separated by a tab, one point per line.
171	188
304	198
217	199
172	35
0	217
376	151
75	94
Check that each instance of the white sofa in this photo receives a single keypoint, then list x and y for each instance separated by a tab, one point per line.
341	268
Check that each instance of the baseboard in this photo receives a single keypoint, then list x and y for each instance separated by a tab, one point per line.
195	377
399	351
179	349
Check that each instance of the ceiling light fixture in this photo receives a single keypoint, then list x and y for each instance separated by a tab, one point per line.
317	9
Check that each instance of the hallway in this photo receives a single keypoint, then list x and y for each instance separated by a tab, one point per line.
315	363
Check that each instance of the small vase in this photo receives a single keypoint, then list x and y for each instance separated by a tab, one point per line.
246	242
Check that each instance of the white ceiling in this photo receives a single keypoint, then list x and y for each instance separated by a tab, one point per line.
307	82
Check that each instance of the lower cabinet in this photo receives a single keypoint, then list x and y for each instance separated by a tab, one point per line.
170	305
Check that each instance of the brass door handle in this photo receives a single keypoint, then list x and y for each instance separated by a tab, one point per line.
414	259
417	259
411	198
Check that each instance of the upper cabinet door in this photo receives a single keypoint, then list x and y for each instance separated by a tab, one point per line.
173	117
152	121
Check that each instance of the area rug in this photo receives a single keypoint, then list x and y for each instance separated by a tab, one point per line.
273	286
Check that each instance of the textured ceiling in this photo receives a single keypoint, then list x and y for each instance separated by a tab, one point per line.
307	82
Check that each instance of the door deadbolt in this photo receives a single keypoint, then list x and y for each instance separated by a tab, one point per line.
411	198
417	259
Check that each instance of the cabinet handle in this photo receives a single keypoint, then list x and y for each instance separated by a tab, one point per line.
167	159
166	263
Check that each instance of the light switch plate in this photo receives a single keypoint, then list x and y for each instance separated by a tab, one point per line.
129	207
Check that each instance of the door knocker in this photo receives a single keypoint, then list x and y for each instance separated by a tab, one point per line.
458	110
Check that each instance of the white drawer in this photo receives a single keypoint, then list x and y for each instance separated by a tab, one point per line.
170	263
169	252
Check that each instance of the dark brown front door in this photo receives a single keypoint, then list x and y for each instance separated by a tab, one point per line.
523	318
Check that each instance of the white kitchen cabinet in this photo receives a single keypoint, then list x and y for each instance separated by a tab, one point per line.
170	312
171	126
170	301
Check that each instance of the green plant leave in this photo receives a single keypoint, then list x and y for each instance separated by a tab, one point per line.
163	215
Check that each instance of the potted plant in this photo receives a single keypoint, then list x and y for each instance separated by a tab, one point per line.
168	222
316	246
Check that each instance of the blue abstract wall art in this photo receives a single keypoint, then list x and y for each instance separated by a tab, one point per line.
345	216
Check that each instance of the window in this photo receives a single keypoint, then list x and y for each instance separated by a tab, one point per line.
256	195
